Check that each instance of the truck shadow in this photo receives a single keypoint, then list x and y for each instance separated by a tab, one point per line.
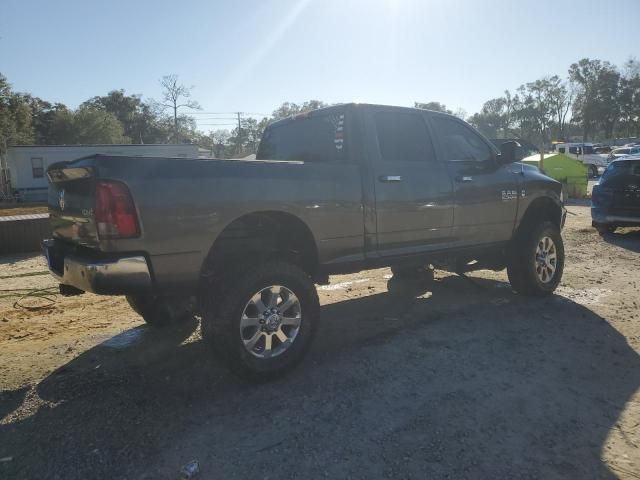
629	239
469	381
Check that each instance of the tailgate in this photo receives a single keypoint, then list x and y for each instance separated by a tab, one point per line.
628	199
71	202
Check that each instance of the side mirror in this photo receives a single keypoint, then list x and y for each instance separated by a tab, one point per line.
508	152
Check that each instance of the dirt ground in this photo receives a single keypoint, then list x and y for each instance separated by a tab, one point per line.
466	381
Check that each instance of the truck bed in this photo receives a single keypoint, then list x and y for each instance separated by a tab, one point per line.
184	204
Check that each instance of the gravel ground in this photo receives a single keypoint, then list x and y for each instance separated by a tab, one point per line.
466	381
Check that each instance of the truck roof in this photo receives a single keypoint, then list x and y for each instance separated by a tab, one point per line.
353	105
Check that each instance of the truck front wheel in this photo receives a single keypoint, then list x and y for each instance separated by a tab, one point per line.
159	311
260	320
536	260
593	171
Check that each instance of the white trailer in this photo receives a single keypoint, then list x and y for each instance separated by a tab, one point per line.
25	166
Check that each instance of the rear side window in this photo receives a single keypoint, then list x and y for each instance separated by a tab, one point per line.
312	138
459	142
403	136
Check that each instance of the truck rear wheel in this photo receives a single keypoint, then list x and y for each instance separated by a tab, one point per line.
536	260
158	311
260	320
593	171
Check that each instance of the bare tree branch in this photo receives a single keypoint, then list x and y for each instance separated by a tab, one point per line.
172	93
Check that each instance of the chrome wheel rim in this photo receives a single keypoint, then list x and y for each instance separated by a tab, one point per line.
546	260
270	321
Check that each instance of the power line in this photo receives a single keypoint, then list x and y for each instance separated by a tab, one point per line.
216	118
229	113
238	117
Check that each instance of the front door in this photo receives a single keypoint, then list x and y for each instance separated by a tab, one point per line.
413	192
486	193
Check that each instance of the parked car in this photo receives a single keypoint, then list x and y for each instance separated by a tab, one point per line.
623	151
602	149
337	190
615	201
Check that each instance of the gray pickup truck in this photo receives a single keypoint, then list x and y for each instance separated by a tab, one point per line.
241	243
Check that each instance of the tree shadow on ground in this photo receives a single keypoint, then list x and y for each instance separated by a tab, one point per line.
469	381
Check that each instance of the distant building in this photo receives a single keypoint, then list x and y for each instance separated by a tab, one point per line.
24	168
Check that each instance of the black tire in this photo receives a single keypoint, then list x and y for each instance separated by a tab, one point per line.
604	228
224	301
158	311
523	268
593	171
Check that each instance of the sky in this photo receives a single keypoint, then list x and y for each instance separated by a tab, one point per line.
252	55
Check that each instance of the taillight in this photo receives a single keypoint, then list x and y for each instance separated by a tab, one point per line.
115	212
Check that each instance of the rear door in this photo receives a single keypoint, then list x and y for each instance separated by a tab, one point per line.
486	193
413	192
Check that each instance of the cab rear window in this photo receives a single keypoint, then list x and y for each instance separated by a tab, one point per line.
308	138
620	170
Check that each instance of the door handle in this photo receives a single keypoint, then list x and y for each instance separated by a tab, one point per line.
390	178
464	178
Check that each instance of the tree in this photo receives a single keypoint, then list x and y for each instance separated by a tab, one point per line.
492	118
219	141
631	68
461	113
596	104
289	109
560	96
176	96
496	117
15	117
97	126
43	116
535	110
141	124
629	98
435	106
86	126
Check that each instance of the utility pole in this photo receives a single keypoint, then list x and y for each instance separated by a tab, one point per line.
238	136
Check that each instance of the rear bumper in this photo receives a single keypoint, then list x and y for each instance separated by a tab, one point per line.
603	215
117	275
